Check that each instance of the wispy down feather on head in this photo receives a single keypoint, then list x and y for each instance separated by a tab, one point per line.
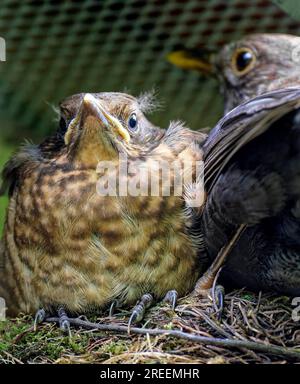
56	111
149	102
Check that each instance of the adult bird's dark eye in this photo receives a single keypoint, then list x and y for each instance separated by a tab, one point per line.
243	61
132	122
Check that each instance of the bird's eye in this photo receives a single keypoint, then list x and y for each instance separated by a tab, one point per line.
132	122
242	61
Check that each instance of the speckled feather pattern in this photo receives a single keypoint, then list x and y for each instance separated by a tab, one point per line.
64	244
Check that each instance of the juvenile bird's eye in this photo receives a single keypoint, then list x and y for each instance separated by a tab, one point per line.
242	61
132	122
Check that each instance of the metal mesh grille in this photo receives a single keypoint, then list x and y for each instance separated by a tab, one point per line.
58	48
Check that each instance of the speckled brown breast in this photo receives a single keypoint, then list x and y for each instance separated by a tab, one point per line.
65	244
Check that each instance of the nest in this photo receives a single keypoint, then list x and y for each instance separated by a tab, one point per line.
252	329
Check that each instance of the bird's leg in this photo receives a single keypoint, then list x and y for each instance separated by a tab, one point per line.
171	298
64	323
138	311
206	285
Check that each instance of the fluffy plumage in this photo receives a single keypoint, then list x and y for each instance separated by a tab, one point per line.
66	245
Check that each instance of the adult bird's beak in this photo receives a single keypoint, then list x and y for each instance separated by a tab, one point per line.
94	107
200	60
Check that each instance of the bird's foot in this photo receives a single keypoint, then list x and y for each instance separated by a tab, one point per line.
207	284
147	299
171	298
208	288
215	295
139	310
64	323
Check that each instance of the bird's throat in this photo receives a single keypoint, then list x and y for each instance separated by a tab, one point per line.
94	145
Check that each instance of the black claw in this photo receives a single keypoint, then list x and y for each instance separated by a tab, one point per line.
136	315
171	298
64	322
139	310
114	305
218	300
40	316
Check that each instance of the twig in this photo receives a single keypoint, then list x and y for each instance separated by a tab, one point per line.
156	355
13	358
229	343
209	321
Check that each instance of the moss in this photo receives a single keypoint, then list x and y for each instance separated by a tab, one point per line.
248	296
18	342
115	348
169	326
46	344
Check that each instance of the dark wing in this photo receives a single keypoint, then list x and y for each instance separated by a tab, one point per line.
11	170
48	149
29	154
243	124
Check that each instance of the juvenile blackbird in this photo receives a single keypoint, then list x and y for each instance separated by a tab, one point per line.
68	248
246	188
248	67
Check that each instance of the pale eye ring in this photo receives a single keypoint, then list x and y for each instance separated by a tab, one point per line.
132	122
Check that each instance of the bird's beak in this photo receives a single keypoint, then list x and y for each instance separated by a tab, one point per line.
94	107
200	60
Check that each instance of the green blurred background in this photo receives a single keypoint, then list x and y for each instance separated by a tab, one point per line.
57	48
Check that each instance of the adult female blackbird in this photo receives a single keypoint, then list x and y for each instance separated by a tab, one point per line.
68	247
267	255
248	67
252	178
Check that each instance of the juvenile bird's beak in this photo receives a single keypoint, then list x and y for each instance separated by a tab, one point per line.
200	60
94	107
